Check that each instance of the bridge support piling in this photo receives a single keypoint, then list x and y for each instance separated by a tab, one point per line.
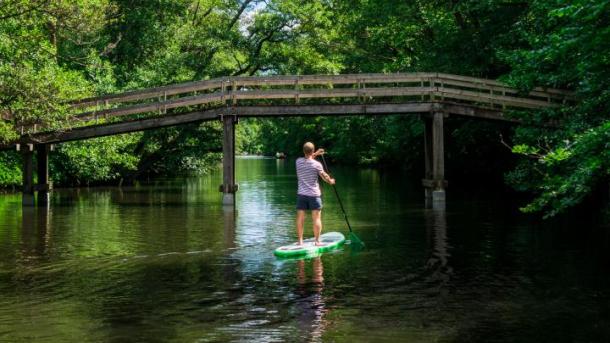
27	196
44	185
228	187
434	150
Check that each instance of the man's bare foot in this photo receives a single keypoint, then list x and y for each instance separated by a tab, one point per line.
317	243
300	242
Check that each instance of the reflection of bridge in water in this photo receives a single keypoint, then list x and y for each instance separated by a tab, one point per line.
436	227
433	96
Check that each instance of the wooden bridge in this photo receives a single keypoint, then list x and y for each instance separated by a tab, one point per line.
434	96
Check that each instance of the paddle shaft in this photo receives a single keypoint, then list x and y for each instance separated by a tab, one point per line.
337	194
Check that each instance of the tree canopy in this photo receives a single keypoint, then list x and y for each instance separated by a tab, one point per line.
54	51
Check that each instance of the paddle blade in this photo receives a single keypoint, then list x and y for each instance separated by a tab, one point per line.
355	241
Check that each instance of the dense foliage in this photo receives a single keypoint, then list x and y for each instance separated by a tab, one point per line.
568	45
52	51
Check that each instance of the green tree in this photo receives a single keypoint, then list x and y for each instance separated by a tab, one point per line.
54	51
568	47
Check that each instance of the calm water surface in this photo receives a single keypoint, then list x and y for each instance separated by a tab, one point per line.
163	262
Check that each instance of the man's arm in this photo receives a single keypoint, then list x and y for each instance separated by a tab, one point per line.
327	178
322	173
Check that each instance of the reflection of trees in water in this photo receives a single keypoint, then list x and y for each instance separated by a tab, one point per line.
436	227
310	306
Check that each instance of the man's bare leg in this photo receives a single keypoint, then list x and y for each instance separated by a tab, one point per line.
316	216
300	222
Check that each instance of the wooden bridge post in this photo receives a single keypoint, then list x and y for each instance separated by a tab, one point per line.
44	185
27	196
427	150
228	187
434	151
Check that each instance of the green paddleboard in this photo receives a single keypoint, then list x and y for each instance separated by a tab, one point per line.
329	240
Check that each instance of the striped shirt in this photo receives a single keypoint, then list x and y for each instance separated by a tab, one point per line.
308	170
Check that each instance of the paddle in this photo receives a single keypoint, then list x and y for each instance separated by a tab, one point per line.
352	236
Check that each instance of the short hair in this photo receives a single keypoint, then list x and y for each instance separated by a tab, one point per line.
308	148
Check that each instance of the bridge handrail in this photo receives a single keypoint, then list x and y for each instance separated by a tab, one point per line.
440	93
286	80
481	91
223	91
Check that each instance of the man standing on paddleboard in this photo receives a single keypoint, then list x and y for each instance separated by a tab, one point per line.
309	196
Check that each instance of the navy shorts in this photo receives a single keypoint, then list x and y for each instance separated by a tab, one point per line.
305	202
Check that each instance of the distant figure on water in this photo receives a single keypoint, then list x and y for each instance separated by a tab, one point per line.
309	196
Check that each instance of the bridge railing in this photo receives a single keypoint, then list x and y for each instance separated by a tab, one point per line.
357	87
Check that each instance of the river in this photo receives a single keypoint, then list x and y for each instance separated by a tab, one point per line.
163	262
